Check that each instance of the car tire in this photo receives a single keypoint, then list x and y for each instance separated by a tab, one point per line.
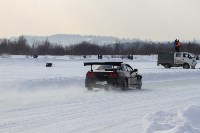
89	88
124	84
139	87
106	88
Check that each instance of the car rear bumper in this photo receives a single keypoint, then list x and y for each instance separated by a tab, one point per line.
101	83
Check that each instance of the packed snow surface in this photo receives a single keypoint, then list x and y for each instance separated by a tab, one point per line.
186	121
35	98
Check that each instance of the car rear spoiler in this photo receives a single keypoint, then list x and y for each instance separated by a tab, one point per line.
102	63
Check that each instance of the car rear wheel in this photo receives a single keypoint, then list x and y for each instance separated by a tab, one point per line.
89	88
124	84
107	88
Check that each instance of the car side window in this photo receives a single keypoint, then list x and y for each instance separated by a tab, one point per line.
121	68
129	68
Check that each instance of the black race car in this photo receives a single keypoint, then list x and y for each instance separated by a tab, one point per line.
112	74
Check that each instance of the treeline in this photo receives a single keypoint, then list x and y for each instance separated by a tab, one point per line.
21	47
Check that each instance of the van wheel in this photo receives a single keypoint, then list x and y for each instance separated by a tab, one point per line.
167	66
186	66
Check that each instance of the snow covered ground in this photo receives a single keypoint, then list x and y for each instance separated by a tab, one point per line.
34	98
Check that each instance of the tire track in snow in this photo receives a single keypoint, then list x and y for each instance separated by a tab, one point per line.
99	111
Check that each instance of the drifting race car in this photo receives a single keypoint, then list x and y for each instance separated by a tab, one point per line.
112	75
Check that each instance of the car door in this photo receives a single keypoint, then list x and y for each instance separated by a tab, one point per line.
130	77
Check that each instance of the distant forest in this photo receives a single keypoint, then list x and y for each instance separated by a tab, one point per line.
21	47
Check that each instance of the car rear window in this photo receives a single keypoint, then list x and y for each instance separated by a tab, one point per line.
103	67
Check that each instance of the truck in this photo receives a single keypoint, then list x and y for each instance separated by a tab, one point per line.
177	59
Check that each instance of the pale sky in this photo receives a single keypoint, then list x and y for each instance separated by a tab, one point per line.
157	20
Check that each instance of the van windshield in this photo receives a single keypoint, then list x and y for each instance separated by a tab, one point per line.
192	55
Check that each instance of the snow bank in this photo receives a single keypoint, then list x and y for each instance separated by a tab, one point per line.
186	121
34	98
23	77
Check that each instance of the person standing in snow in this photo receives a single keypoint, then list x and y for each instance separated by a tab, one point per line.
177	45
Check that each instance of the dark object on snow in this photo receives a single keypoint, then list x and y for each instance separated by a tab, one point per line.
197	57
48	64
35	56
112	75
130	57
84	56
99	56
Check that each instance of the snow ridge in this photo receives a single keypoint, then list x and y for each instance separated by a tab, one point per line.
185	121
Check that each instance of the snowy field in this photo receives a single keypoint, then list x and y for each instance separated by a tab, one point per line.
37	99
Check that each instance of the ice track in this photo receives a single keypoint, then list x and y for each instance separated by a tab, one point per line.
100	111
56	103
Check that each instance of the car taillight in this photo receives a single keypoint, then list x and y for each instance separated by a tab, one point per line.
90	74
113	75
